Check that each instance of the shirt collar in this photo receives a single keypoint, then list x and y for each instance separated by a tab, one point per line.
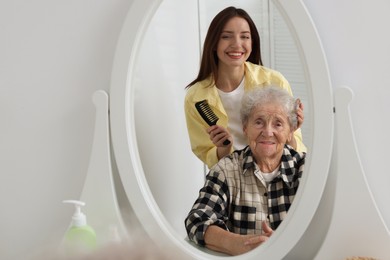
288	171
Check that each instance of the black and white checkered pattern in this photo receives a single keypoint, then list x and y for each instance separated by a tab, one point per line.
237	198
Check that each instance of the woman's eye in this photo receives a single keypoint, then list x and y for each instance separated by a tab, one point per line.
258	122
278	124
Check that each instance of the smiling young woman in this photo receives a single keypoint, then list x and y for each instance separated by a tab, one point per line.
230	66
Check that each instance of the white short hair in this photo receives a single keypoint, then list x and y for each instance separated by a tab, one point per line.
263	95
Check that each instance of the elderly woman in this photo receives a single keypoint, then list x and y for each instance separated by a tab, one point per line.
247	194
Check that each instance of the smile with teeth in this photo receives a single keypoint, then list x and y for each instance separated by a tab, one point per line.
235	54
264	142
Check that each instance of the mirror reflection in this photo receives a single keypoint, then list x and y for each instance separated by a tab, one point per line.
168	61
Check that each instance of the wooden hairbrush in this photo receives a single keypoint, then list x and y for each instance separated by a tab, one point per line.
208	115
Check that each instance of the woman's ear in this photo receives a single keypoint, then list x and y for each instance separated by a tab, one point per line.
290	136
244	128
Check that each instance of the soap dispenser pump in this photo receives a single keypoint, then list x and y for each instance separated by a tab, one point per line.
80	237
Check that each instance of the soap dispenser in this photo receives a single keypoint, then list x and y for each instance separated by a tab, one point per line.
80	237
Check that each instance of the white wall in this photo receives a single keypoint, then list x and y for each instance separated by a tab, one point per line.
54	55
356	44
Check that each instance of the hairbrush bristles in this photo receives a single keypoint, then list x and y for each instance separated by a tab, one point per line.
208	115
205	111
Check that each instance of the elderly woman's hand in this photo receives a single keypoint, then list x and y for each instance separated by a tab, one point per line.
267	232
230	243
253	241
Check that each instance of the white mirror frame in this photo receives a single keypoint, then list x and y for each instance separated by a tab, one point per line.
126	151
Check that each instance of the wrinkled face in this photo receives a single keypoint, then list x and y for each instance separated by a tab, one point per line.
235	43
267	131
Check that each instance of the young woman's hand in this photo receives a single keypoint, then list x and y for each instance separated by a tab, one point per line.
300	115
218	135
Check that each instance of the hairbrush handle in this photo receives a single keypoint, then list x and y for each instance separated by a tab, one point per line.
226	142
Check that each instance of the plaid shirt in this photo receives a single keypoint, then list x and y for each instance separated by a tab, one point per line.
237	198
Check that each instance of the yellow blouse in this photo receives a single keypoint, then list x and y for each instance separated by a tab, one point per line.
201	145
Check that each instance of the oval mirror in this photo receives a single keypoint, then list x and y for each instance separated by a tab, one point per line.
157	55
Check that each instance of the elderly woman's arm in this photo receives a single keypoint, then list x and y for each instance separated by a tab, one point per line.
206	222
210	208
230	243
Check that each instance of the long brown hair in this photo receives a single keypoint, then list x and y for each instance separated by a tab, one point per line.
209	61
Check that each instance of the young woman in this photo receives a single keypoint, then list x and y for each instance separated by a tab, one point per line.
230	66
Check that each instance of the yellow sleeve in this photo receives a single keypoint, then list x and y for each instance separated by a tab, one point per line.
201	144
300	145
